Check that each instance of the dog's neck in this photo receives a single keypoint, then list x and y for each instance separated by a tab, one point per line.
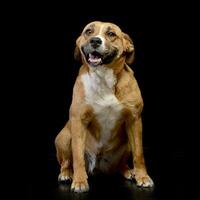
104	76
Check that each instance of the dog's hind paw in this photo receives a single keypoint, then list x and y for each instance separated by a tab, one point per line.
64	178
126	172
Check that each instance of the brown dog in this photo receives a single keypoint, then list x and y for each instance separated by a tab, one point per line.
105	124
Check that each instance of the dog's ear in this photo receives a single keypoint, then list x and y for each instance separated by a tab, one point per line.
77	53
129	49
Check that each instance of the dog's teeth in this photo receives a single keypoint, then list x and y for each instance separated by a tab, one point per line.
91	56
93	59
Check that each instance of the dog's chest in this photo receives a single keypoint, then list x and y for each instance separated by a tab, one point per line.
99	93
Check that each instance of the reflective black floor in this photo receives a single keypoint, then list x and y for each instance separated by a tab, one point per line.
168	177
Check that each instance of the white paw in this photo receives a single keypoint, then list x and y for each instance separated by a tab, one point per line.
63	178
80	186
144	181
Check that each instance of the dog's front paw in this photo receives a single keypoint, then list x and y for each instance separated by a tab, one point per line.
143	179
80	186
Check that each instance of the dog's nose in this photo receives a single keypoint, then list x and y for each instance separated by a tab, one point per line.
95	42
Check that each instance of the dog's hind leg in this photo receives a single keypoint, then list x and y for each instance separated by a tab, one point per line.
64	154
123	168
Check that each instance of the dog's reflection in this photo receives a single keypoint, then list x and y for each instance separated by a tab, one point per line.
64	190
111	189
139	193
64	187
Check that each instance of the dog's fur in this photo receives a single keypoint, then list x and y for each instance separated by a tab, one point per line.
105	126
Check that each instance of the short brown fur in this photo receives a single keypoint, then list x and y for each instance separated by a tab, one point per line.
83	130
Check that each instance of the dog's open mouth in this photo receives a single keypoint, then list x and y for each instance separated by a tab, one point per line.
94	58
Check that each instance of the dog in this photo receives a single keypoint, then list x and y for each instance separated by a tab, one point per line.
105	125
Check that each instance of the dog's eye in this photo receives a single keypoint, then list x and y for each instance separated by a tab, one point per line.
88	31
111	34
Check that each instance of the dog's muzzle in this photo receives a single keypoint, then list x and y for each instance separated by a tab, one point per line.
95	54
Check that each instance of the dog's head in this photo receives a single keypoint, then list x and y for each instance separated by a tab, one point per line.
103	44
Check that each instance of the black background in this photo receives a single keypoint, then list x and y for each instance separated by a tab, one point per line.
46	75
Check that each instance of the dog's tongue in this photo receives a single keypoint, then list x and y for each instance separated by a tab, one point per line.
95	60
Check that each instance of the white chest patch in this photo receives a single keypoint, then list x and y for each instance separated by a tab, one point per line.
99	93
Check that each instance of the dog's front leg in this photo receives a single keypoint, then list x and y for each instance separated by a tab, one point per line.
79	183
79	124
134	130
